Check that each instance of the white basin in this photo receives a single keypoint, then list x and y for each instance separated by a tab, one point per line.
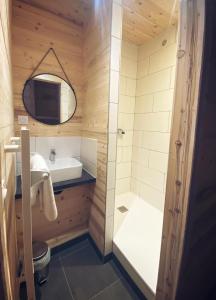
64	169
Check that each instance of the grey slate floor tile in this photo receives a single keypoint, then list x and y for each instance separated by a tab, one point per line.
77	273
56	288
119	290
86	274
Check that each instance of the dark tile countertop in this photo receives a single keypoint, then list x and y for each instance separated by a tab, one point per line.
59	186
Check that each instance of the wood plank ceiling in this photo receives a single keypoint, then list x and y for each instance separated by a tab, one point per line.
142	19
76	11
145	19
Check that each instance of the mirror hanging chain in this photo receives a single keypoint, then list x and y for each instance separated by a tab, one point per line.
58	60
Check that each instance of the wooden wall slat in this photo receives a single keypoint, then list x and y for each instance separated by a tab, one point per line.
8	246
181	146
95	107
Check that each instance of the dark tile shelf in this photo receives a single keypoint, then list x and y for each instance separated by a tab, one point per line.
86	178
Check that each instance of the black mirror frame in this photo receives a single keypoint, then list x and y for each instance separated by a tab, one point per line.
27	81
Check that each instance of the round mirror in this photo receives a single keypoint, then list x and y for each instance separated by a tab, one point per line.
49	99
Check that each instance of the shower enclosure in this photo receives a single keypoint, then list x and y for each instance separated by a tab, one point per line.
146	89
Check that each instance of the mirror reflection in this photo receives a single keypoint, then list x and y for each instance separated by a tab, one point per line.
49	99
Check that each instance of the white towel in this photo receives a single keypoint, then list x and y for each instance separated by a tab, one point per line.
43	188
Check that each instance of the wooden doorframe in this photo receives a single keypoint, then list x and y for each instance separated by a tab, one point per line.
189	65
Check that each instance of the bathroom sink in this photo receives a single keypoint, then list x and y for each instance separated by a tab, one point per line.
65	169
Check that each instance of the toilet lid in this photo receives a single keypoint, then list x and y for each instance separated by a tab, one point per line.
39	250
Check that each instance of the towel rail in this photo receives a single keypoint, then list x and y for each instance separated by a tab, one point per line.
27	214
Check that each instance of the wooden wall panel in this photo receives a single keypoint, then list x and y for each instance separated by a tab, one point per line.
73	215
8	247
34	31
95	107
198	272
189	66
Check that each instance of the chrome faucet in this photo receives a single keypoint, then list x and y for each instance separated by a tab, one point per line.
52	155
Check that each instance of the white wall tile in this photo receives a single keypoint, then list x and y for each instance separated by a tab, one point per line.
64	146
117	20
163	101
88	155
153	196
113	117
125	121
144	104
157	141
126	139
109	230
155	44
165	57
173	76
111	175
149	176
123	170
141	155
112	147
114	86
128	68
158	161
129	50
152	122
89	149
123	185
126	104
124	154
143	68
154	83
110	202
115	53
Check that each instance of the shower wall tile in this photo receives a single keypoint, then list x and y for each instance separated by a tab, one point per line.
162	59
152	122
126	139
126	104
153	114
154	82
124	154
141	155
143	67
128	68
129	51
123	170
156	141
158	161
123	185
163	101
144	104
125	121
128	75
149	48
